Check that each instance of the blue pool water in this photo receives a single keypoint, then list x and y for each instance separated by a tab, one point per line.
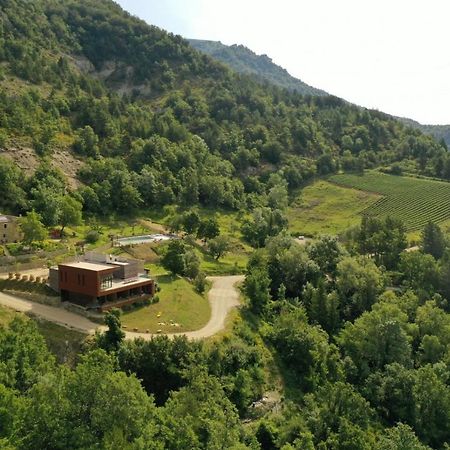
146	238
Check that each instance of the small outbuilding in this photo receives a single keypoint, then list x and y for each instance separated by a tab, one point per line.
9	229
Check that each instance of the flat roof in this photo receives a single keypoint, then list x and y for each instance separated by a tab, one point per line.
117	283
96	267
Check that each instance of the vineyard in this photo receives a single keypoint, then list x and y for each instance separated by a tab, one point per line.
415	201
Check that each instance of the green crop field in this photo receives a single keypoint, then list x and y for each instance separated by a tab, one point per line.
413	200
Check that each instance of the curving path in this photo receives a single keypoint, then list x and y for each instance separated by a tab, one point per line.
223	296
57	315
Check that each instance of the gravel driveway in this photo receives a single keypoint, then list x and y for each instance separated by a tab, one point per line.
223	296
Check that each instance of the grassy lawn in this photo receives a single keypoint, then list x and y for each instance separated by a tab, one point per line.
146	252
178	304
156	270
150	221
229	221
325	208
231	263
119	227
234	261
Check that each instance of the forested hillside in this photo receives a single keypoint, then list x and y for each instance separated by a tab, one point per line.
243	60
440	132
339	344
145	112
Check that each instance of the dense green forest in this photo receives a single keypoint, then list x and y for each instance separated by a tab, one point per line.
145	112
243	60
348	341
357	346
440	132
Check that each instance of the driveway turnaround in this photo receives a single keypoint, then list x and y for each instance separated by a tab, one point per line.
223	296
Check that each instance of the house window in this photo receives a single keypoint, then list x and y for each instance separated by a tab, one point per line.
106	282
5	226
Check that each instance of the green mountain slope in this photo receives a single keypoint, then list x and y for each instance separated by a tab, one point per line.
243	60
320	356
439	132
155	122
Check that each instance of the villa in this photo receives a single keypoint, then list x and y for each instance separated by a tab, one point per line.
102	282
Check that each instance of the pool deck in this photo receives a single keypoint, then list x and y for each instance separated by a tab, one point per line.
144	239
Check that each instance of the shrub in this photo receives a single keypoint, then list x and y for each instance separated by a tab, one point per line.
200	283
92	236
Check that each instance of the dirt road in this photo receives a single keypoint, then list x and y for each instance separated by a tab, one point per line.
50	313
223	296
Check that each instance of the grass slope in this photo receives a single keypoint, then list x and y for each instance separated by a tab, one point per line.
178	303
415	201
325	208
65	344
6	315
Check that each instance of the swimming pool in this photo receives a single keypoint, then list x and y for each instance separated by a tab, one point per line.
143	239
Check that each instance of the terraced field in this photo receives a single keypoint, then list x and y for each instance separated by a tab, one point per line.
415	201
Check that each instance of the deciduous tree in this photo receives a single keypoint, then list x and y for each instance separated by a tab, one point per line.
173	259
208	229
219	246
32	228
359	281
70	212
433	241
377	338
112	338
